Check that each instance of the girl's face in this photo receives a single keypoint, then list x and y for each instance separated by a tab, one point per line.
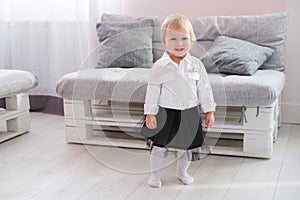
178	42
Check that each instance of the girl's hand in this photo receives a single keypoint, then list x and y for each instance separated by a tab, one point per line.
151	121
210	119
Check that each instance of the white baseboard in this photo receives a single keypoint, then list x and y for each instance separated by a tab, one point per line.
290	113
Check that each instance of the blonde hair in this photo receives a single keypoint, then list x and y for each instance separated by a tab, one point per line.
175	22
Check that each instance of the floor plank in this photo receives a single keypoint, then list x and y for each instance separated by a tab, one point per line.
213	178
288	185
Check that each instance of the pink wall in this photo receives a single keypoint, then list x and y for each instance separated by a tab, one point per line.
202	7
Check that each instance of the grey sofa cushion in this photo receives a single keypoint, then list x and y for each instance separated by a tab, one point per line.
16	81
260	89
157	47
119	84
129	85
266	30
233	56
125	44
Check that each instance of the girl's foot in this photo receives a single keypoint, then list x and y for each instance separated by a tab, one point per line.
154	182
185	179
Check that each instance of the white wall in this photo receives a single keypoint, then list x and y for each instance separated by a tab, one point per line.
201	7
291	93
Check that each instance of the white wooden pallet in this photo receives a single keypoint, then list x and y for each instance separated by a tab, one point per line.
238	131
15	116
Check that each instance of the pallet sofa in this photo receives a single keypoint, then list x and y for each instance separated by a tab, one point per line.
14	114
104	105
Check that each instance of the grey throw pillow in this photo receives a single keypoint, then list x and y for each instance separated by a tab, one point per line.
125	44
235	56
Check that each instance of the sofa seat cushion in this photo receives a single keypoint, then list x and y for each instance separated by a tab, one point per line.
120	84
260	89
16	81
129	85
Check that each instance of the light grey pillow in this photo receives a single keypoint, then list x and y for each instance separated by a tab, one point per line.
235	56
125	44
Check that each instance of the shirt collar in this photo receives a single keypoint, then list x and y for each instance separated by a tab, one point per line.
166	59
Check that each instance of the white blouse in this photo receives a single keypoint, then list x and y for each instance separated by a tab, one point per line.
178	87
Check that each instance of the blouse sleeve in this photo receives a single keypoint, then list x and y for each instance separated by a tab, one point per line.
152	94
204	91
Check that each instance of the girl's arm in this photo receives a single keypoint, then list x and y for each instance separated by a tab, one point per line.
151	100
205	96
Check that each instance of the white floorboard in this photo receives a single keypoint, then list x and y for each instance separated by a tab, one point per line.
41	165
288	185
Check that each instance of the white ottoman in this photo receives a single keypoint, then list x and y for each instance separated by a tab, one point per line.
14	85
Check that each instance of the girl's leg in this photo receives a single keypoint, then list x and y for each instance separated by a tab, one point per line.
183	164
157	157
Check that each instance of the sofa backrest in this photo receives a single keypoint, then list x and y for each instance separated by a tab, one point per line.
266	30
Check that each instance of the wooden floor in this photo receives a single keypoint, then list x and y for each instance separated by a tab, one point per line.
41	165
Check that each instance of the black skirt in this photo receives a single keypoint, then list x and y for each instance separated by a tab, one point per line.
180	129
